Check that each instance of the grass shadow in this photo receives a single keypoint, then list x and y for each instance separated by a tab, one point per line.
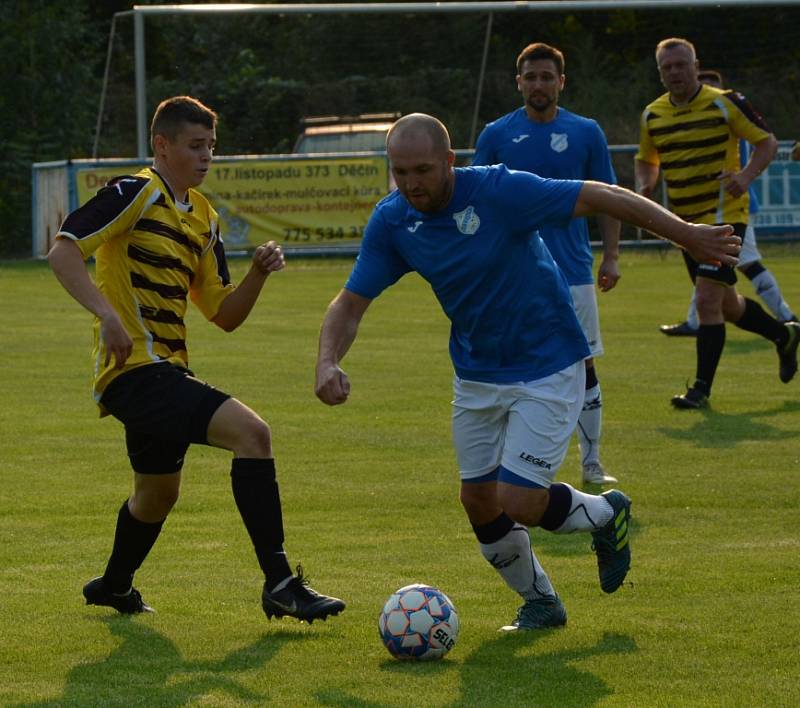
716	430
504	671
148	664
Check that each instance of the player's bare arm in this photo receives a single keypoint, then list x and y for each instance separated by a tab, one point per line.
338	332
235	308
608	274
646	176
67	263
737	183
706	244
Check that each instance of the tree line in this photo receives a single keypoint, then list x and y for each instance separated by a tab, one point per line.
262	73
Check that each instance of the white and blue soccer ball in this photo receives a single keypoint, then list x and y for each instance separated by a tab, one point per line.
418	622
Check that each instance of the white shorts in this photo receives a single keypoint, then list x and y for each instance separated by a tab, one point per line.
584	299
524	426
749	252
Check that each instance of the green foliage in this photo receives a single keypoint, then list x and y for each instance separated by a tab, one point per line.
370	493
262	73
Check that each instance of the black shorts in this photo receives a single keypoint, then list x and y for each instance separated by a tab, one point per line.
722	273
164	409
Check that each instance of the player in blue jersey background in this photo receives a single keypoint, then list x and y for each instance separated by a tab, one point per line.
750	265
516	345
548	140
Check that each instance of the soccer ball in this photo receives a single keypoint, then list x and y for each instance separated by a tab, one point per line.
418	622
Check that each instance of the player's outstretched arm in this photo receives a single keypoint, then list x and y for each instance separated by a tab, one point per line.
268	258
67	263
338	332
705	243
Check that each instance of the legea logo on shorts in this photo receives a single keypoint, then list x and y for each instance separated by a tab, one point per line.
467	221
533	460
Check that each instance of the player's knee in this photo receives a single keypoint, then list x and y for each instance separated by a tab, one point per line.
255	438
153	505
526	509
479	502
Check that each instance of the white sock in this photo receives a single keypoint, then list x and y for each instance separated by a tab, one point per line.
590	422
513	557
587	512
691	315
768	290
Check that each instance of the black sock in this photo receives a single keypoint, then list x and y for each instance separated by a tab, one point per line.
494	530
558	507
133	540
255	490
755	319
709	346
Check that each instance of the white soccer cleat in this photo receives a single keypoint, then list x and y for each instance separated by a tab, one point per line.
594	473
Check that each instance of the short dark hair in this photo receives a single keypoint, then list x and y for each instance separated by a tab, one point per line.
710	75
173	112
540	50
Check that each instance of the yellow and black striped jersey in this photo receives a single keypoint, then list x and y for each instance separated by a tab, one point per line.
151	251
693	144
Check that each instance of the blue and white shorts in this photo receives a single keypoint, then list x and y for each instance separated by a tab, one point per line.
526	427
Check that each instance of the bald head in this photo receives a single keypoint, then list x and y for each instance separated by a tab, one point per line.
418	129
421	161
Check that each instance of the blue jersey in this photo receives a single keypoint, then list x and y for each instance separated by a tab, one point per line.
508	303
568	147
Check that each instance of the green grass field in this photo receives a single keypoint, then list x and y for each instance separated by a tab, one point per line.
709	618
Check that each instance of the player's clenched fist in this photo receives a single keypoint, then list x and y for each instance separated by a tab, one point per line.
333	386
269	257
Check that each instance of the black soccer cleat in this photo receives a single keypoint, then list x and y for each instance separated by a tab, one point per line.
297	599
691	400
682	329
787	354
129	603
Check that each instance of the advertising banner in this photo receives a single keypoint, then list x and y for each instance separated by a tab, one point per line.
778	191
297	202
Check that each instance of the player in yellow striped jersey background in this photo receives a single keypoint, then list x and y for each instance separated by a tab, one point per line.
691	134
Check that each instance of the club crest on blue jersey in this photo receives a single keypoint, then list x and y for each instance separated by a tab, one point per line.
558	142
467	221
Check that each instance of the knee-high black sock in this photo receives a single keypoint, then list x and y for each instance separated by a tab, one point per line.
709	346
755	319
255	490
133	540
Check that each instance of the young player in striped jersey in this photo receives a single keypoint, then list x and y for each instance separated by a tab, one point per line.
692	133
750	265
156	243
